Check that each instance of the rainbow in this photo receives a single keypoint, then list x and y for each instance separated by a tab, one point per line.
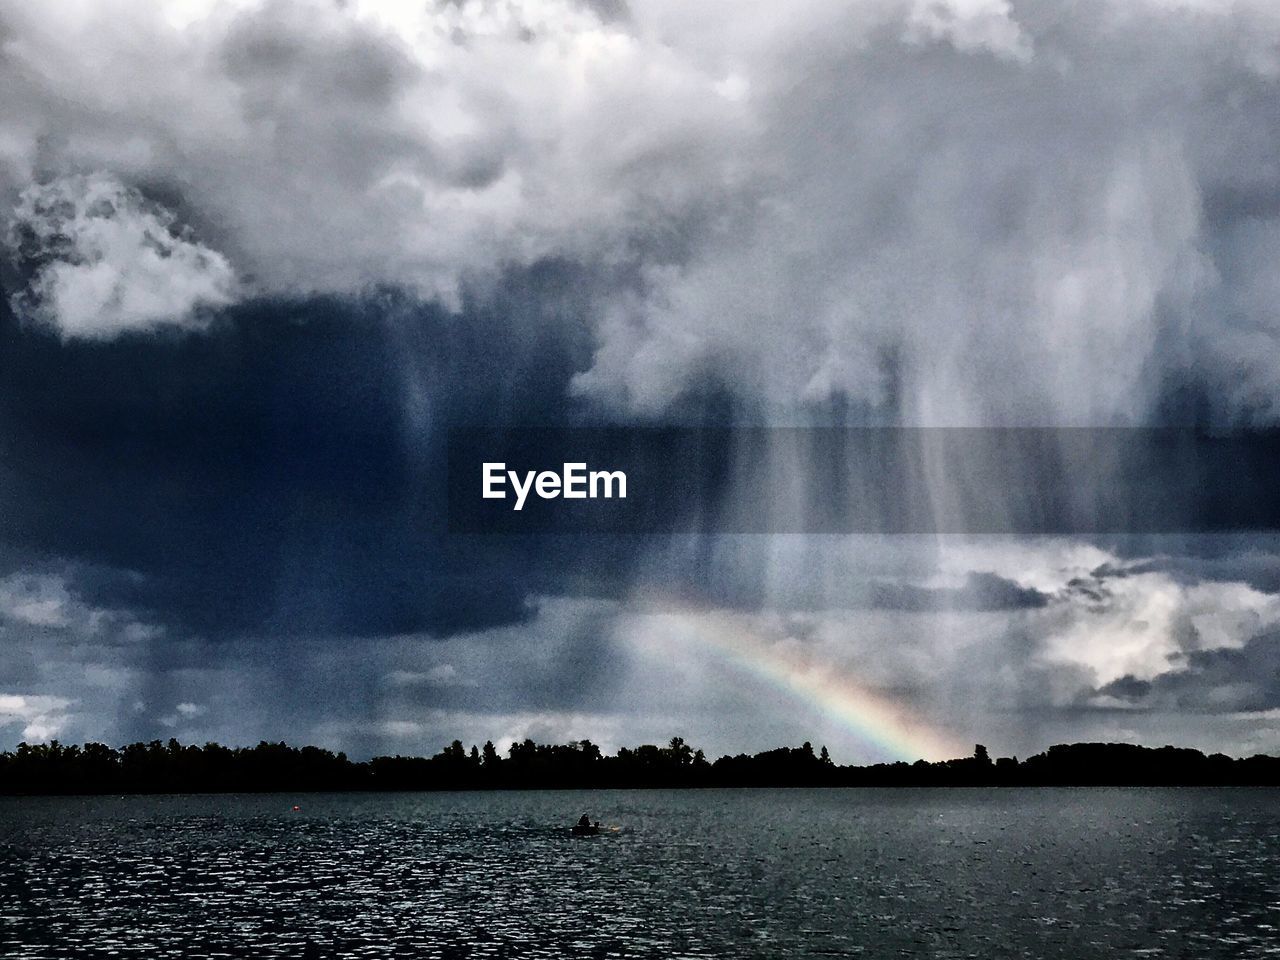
888	727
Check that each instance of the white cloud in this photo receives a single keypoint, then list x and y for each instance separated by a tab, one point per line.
1031	217
183	714
109	262
442	675
1112	617
332	146
38	601
1147	621
42	717
43	601
969	25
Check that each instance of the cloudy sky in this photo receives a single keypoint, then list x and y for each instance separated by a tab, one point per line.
258	257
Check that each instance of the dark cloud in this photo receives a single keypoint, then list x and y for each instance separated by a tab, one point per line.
1126	688
333	233
1252	559
982	591
1225	680
609	10
282	473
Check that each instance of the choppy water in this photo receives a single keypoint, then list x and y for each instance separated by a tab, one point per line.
804	873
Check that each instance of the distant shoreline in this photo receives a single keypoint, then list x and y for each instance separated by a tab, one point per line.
705	788
173	768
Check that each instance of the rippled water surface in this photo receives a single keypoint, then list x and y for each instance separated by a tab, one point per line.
805	873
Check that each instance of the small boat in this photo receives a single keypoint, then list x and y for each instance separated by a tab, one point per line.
585	828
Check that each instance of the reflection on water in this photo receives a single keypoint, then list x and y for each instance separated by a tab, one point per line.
1013	873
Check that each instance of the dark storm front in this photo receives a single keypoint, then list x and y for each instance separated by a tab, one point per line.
1070	873
867	480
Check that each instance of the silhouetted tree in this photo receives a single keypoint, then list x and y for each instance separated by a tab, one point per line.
679	751
172	767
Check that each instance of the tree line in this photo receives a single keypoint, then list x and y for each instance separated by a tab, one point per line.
172	767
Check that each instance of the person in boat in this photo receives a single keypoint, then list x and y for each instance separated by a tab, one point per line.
584	822
585	825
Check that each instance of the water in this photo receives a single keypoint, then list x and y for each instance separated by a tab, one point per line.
769	873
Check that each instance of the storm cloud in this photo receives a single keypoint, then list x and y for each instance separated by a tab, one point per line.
260	255
967	211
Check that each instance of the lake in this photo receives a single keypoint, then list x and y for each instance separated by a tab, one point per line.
1072	873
